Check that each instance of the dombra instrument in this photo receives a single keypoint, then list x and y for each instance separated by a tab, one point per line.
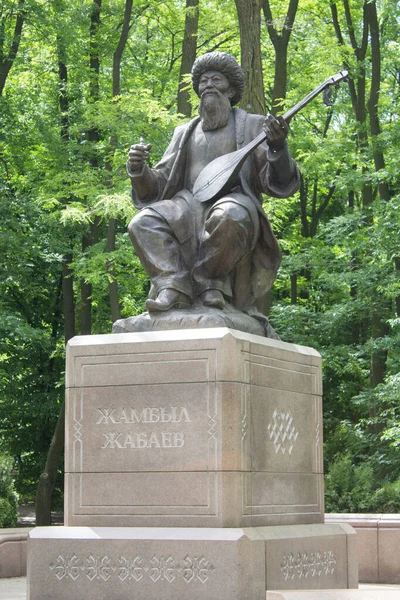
220	174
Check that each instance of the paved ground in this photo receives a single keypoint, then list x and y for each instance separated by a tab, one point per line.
26	516
366	592
15	589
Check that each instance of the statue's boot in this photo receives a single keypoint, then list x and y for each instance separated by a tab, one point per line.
167	299
213	299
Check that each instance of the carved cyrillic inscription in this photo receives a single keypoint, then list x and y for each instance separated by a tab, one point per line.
304	564
142	440
116	416
118	440
103	568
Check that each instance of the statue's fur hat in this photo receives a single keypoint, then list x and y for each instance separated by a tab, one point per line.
224	63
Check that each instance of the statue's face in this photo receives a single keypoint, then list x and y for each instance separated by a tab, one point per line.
212	81
215	106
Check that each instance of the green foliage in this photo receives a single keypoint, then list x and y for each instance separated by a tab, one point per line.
358	419
355	488
31	348
8	495
348	488
387	498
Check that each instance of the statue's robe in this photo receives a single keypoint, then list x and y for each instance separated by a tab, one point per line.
264	171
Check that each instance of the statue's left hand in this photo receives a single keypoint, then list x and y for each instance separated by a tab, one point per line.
276	130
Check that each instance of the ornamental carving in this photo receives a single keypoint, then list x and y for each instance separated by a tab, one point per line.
308	564
103	568
282	432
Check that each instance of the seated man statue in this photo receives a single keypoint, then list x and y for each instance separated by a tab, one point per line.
219	253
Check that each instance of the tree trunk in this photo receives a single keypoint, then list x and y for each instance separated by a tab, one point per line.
370	32
373	100
67	279
280	41
293	288
305	229
250	48
280	78
93	136
63	95
379	329
86	288
189	46
357	95
68	299
6	62
116	91
397	267
94	57
121	47
112	283
47	479
357	85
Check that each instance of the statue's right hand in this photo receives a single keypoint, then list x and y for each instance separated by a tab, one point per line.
138	154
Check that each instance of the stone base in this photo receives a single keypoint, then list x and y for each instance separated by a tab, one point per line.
192	428
180	563
195	318
144	563
311	557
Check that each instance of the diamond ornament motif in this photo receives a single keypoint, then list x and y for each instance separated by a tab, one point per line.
282	432
78	426
212	427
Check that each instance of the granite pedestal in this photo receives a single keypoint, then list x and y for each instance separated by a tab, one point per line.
193	470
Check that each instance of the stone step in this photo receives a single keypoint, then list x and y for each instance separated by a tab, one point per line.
363	594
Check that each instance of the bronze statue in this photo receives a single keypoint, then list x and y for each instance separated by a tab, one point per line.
219	253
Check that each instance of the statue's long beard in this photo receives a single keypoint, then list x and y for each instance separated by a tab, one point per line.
214	111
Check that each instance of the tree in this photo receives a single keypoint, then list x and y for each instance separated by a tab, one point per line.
362	107
250	50
280	41
10	13
189	46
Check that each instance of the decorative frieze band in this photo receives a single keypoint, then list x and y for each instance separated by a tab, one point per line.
103	568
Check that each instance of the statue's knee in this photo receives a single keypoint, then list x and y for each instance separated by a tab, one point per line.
231	212
138	223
